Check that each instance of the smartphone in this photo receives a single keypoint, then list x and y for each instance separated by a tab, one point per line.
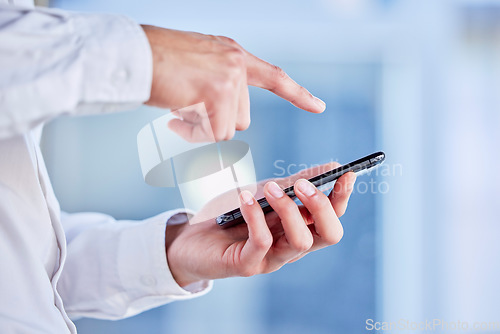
322	182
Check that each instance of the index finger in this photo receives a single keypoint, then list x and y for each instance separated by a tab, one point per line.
264	75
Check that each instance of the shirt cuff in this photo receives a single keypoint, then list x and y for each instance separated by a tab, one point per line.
143	267
116	61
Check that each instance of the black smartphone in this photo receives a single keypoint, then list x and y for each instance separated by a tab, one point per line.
322	182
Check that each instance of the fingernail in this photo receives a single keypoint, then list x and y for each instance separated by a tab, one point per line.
274	190
305	187
246	197
320	103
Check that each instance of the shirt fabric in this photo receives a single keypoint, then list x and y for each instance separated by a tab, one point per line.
56	265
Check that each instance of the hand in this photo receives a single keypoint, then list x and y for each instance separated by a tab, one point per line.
191	68
266	242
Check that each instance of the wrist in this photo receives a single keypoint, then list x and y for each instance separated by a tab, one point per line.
152	36
176	265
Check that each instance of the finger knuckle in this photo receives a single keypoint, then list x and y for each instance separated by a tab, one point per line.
293	101
278	76
304	93
223	86
270	268
230	134
284	207
218	130
246	271
235	59
340	212
244	125
264	242
189	139
219	134
320	202
334	237
243	122
228	40
279	73
302	244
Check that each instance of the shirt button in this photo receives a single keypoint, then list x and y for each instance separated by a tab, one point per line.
119	76
148	280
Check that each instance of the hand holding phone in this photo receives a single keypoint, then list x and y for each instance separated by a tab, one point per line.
203	250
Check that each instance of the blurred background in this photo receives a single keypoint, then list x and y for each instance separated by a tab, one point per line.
418	79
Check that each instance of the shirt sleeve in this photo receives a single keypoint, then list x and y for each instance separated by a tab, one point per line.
55	62
117	269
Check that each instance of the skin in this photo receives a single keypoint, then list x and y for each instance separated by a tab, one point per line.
191	68
266	242
204	79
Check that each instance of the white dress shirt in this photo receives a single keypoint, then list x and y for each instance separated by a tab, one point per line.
56	265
